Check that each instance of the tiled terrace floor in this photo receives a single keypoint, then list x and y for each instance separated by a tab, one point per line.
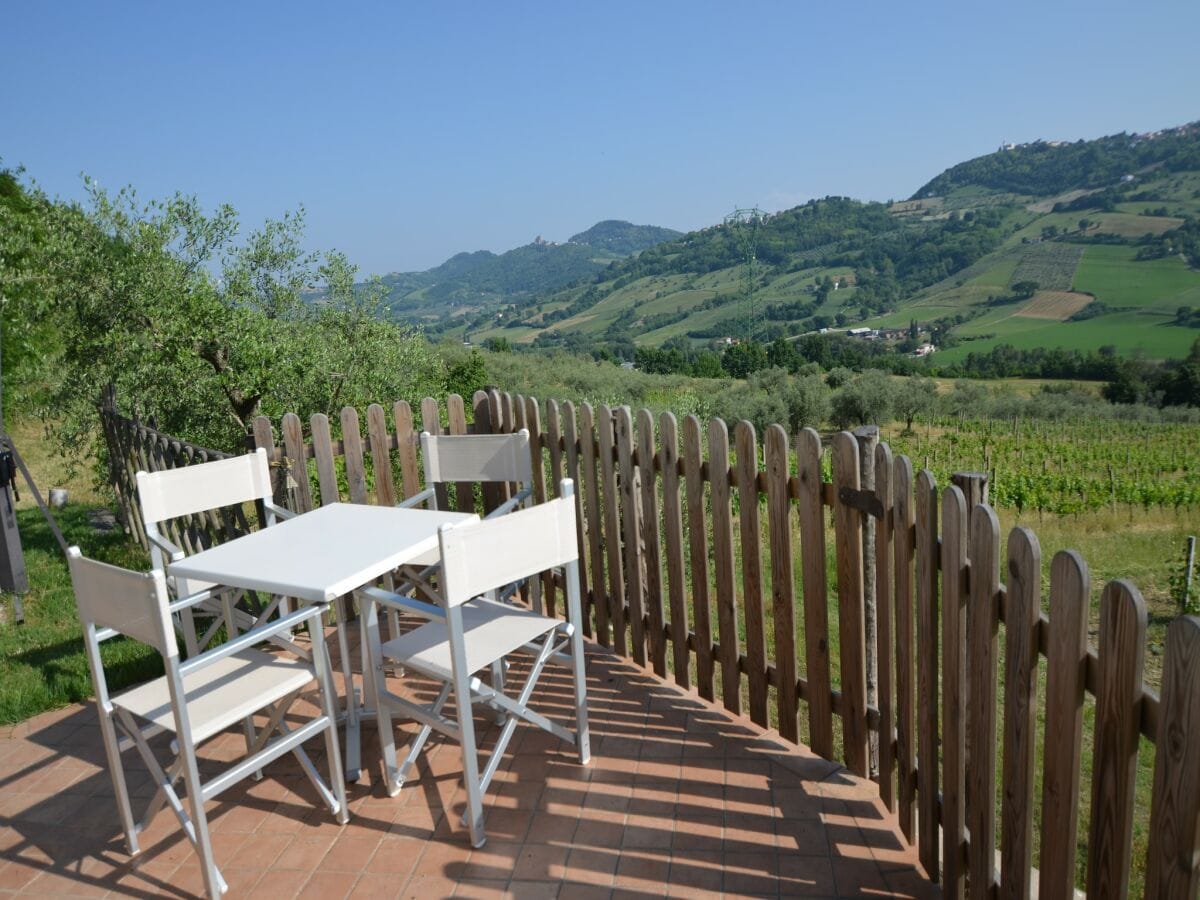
680	799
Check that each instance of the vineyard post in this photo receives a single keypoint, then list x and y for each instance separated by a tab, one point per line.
1186	601
868	438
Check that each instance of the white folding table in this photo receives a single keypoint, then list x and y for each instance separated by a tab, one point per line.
319	557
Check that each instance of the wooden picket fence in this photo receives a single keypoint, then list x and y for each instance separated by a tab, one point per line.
673	527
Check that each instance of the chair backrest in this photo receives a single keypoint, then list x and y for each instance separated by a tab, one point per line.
479	556
476	457
191	489
132	603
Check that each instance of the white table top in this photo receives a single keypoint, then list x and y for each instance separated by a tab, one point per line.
322	554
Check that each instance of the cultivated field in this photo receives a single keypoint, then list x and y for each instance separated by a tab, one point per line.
1057	306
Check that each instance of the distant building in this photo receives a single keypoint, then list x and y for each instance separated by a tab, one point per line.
859	332
924	350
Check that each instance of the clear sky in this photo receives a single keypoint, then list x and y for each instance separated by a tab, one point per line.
412	131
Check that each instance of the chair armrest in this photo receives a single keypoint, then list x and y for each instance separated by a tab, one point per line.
415	499
510	504
192	599
173	552
402	603
281	512
254	636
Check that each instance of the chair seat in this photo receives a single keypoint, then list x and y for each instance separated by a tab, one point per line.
221	694
490	631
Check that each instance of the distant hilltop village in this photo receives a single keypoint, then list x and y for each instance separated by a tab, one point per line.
1134	139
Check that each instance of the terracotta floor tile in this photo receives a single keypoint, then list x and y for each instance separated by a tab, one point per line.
679	799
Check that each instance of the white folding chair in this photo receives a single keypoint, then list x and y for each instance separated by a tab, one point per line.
187	492
485	459
198	699
476	558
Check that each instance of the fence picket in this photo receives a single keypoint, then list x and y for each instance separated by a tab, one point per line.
783	592
722	531
293	445
816	593
1023	612
1173	863
612	529
883	621
954	690
595	523
1066	657
927	672
904	516
750	535
352	452
982	656
1114	762
668	457
572	471
693	479
847	523
323	453
406	448
631	520
381	456
652	543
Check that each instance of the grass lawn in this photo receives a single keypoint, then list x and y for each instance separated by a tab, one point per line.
1112	274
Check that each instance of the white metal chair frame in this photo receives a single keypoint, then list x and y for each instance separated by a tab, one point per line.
199	698
453	458
476	558
189	490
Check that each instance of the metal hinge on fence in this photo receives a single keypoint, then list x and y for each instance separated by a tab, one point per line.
863	501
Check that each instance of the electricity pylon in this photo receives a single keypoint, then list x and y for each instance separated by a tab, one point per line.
743	225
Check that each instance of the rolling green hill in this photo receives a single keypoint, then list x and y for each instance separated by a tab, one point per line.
1079	246
470	281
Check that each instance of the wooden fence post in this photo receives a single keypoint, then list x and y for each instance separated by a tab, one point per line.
904	516
693	482
673	528
722	531
926	564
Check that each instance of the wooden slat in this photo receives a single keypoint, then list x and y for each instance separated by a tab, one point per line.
1066	660
783	599
982	657
816	593
456	423
595	523
1173	864
605	423
1023	612
927	673
322	444
631	532
847	523
954	690
293	443
552	441
406	448
651	543
431	421
693	467
571	469
381	456
750	536
883	622
722	519
1114	767
668	439
352	451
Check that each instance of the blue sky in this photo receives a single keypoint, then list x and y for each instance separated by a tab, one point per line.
412	131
